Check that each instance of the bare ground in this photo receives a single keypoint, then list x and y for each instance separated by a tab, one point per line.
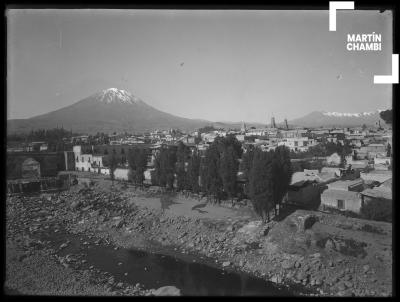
328	254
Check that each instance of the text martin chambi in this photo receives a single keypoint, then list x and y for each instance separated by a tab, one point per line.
364	42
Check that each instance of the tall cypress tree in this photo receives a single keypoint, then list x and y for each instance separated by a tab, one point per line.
165	167
261	183
181	157
211	180
228	171
245	167
282	174
112	164
137	160
156	175
193	173
170	167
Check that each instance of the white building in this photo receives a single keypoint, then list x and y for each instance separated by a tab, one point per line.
384	160
121	173
297	144
240	137
87	162
257	132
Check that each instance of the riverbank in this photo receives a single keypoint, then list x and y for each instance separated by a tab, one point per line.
332	256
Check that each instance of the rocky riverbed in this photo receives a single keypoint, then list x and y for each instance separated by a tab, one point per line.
313	252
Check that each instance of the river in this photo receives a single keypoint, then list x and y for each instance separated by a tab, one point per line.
192	274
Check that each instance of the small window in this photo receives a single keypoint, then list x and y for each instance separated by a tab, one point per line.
89	169
340	204
77	159
82	159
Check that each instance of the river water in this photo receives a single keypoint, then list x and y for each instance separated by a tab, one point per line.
193	275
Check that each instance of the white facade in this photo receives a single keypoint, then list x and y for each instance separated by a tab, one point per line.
105	171
121	173
341	200
382	160
259	132
240	137
147	174
43	147
87	162
297	144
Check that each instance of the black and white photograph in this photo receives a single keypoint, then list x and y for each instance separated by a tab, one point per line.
199	152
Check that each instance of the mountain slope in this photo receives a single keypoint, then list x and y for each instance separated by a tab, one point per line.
107	111
327	119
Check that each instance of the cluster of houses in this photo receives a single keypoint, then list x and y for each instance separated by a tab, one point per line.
29	147
339	189
366	173
344	189
95	160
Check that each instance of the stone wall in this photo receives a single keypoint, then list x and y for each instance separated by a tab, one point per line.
50	163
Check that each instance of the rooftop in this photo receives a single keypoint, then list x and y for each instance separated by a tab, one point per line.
382	172
340	194
387	183
377	193
345	184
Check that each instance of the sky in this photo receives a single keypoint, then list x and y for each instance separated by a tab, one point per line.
221	65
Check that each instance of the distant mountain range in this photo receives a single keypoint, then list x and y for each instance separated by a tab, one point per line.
329	119
118	110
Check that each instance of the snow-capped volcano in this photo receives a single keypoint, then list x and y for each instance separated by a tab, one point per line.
112	95
343	119
346	114
109	110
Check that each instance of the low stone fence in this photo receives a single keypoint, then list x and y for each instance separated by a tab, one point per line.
41	185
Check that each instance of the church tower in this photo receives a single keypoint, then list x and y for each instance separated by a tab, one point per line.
273	125
243	127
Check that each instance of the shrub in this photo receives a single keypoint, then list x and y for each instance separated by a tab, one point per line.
377	209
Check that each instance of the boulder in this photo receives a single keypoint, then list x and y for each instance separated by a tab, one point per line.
300	276
118	223
74	204
287	264
276	279
64	245
348	284
167	291
341	286
316	256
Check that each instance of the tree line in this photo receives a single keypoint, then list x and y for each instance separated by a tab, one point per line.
137	162
266	175
53	138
